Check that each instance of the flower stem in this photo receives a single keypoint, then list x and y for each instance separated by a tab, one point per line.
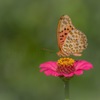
66	87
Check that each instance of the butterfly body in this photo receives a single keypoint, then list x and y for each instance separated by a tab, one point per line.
70	40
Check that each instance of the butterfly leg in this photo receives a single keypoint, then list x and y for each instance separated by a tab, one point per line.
60	54
77	54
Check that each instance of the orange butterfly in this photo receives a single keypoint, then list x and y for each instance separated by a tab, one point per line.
70	40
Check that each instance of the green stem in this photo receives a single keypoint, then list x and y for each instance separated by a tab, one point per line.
66	87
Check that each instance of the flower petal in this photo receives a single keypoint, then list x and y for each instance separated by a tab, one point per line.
49	68
83	65
68	75
49	72
49	65
78	72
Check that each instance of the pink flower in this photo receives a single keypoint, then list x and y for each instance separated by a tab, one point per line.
66	67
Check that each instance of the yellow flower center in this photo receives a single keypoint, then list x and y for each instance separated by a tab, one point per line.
65	65
66	61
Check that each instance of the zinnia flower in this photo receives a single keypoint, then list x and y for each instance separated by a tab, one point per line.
66	67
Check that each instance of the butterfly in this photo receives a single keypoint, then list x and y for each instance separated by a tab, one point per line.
70	40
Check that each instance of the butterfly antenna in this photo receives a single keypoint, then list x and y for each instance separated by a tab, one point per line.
45	49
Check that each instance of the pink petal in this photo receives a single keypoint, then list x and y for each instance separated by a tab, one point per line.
68	75
83	65
49	65
48	73
78	72
49	68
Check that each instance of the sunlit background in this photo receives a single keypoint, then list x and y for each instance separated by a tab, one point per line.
29	26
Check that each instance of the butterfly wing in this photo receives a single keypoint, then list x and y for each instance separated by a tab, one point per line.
61	34
75	43
64	27
70	40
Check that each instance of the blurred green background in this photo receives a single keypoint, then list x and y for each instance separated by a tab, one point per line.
28	26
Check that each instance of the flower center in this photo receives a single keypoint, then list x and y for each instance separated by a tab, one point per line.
65	65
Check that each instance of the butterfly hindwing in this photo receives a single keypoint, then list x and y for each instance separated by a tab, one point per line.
75	42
